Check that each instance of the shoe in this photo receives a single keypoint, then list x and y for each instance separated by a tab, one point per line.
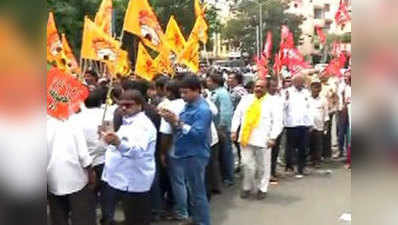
274	180
244	194
228	183
289	171
299	176
261	195
186	222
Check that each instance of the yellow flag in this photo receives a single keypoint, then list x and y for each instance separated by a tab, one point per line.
174	38
103	18
190	55
54	45
71	62
96	44
145	66
141	20
199	9
121	66
199	30
163	62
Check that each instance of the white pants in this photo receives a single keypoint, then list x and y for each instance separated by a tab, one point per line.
256	159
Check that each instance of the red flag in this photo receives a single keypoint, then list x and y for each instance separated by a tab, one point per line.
321	35
64	94
277	64
336	48
284	33
296	61
342	16
268	46
335	66
262	66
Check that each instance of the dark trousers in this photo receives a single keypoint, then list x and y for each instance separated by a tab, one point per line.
342	130
327	146
213	172
226	155
274	156
297	138
80	205
316	139
136	206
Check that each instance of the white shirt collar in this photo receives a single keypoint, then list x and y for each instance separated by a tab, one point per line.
129	120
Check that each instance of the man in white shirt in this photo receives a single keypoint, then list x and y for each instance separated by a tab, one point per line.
320	115
258	141
297	122
70	179
130	163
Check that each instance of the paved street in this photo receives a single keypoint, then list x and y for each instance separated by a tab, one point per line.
316	200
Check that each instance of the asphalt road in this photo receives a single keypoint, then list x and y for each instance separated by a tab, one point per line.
318	199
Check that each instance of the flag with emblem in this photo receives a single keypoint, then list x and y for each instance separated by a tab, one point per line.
163	62
71	62
54	45
141	20
190	55
200	30
96	44
103	18
145	66
174	38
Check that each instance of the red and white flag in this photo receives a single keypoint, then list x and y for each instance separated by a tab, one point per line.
268	46
342	16
321	35
277	63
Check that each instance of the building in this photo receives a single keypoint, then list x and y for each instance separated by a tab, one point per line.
321	13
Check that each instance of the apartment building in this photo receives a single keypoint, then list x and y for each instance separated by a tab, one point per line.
318	13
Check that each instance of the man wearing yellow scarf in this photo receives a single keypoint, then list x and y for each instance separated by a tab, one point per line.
261	121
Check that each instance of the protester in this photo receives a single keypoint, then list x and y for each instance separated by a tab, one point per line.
297	121
235	81
130	163
272	90
261	124
320	116
70	177
192	146
222	99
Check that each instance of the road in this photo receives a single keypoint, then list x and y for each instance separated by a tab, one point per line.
317	199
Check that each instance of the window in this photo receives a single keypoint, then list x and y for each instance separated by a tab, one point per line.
327	7
318	13
326	28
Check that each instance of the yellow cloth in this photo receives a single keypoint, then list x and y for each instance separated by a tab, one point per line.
252	119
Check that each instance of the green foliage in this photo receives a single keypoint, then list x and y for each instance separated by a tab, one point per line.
69	16
241	31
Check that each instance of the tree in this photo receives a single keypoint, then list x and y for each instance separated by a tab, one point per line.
69	16
241	31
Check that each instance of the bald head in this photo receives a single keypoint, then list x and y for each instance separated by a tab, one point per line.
298	81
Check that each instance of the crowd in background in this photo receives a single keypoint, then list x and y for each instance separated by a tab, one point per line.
164	148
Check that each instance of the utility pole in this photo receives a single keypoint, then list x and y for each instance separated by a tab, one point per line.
257	40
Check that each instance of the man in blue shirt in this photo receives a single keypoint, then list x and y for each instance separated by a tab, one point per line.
222	99
192	145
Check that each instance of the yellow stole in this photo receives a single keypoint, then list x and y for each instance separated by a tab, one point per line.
251	119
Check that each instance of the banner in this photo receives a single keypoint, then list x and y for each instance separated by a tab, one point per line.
64	94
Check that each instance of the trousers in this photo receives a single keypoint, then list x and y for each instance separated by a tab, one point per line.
256	160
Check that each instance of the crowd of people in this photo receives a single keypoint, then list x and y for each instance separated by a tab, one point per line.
163	148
